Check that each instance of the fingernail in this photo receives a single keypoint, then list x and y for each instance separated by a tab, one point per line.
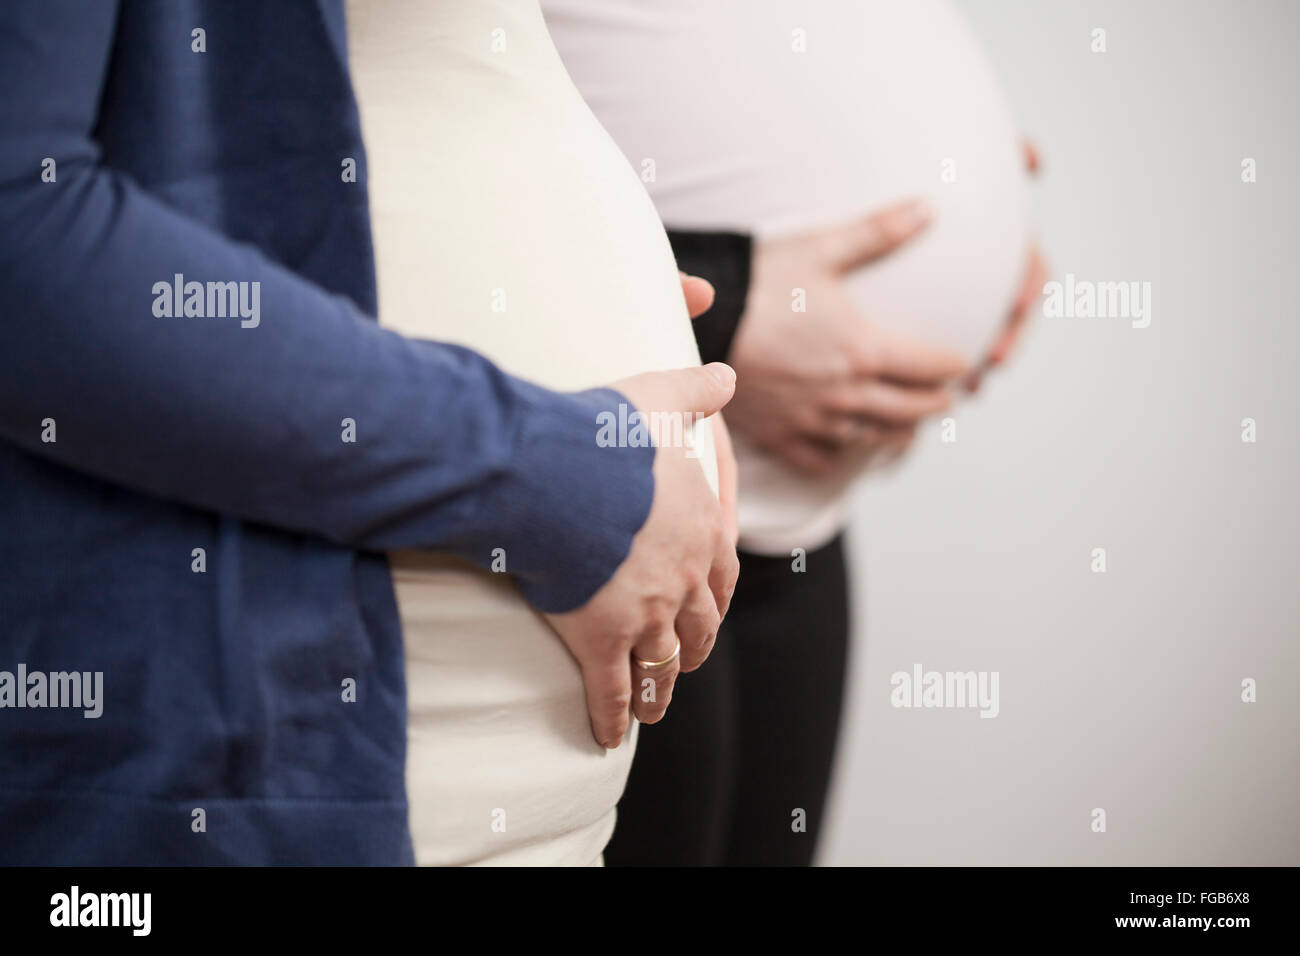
918	213
723	372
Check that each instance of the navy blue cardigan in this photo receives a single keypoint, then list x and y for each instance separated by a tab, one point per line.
181	509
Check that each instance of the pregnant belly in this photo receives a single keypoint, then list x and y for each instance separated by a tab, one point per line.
748	129
774	117
544	254
502	768
505	220
525	235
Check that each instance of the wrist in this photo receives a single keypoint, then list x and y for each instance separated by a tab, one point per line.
564	509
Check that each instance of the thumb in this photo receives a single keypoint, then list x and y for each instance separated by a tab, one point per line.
854	244
704	389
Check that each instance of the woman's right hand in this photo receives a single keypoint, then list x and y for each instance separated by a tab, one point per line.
676	582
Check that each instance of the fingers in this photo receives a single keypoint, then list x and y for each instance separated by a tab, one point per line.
655	665
698	293
697	627
1008	339
843	431
880	400
657	660
813	458
706	389
679	574
1033	162
723	573
867	445
854	244
905	359
609	695
703	390
972	382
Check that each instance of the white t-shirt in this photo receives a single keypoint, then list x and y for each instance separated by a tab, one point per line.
772	116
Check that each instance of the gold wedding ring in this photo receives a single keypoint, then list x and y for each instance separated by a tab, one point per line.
651	665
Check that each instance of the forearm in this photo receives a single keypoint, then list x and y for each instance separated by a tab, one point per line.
314	419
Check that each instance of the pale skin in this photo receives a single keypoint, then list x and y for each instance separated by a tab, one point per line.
827	391
676	582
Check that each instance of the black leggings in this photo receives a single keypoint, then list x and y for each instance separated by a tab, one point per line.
749	738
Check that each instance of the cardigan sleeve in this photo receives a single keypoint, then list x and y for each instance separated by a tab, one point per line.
314	419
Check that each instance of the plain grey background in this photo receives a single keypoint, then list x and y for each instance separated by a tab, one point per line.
1119	690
